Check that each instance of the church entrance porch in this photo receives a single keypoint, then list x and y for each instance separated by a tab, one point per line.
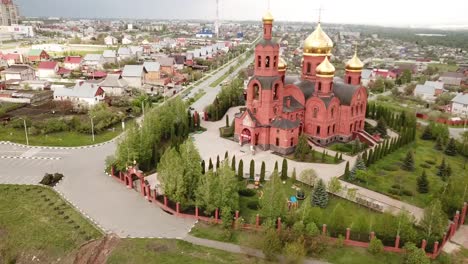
245	137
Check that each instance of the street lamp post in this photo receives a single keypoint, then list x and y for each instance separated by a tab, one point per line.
92	126
25	131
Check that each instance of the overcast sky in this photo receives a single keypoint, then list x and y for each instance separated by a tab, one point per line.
396	12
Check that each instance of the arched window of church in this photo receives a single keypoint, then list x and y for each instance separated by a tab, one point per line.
256	89
259	61
320	86
274	62
332	112
267	62
362	108
318	130
333	128
349	79
275	92
309	67
275	110
315	112
352	111
292	142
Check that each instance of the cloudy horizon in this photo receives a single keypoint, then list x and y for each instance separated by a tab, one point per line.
395	13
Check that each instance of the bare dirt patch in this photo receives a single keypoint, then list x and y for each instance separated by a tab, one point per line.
94	251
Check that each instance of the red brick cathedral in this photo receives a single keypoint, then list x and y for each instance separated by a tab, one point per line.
280	108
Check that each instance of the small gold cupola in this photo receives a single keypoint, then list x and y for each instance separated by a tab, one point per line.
282	65
354	64
325	69
268	18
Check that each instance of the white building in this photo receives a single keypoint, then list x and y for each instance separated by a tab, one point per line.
8	13
429	90
460	105
110	40
134	75
19	72
47	69
126	41
83	94
93	61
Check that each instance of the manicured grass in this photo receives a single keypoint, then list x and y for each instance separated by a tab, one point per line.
444	67
219	80
171	251
34	220
7	107
61	139
315	157
387	172
355	255
346	148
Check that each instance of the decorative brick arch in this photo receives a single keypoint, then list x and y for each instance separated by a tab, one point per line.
131	175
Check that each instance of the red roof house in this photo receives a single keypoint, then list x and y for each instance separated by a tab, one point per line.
72	62
47	69
36	55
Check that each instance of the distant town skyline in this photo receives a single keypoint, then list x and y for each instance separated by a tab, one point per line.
394	13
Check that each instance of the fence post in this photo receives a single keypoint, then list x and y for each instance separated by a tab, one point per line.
456	218
165	200
348	231
237	215
196	212
177	207
257	221
372	235
452	229
324	229
216	215
444	239
112	171
423	245
436	248
463	215
279	224
397	241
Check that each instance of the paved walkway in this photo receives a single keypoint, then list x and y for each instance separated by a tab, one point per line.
233	248
211	145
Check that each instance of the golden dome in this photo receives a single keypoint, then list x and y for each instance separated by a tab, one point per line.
354	64
318	43
325	69
282	65
268	18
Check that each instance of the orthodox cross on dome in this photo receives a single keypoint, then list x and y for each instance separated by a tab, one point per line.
268	3
320	10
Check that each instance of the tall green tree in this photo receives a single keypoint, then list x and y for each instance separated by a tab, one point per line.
284	170
434	221
451	148
320	196
262	172
302	148
423	183
233	163
408	162
381	127
414	255
252	170
240	170
273	202
210	165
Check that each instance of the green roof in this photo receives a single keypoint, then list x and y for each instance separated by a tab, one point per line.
35	52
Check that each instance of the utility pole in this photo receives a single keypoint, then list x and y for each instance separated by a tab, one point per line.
25	131
92	127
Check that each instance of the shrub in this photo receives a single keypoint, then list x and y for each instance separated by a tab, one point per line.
390	167
425	166
432	162
247	192
253	205
51	179
375	246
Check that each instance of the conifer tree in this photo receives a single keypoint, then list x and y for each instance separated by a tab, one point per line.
233	163
276	166
451	148
423	183
226	155
203	166
408	163
438	144
227	120
364	157
210	165
320	195
427	133
346	171
302	148
252	170
360	165
262	172
294	176
381	127
323	156
284	170
442	169
240	170
336	158
217	162
370	158
341	156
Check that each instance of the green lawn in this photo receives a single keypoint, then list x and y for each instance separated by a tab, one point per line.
35	221
444	67
171	251
61	139
388	172
315	157
355	255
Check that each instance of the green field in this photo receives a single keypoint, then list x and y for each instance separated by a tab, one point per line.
444	67
130	251
35	221
387	172
61	139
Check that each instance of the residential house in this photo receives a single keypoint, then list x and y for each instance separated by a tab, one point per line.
83	94
459	105
126	40
153	69
36	55
134	75
429	91
167	64
452	78
110	40
72	63
93	62
47	69
124	53
18	72
137	51
114	85
110	56
179	61
13	58
36	85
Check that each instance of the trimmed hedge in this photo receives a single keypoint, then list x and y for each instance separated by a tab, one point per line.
247	192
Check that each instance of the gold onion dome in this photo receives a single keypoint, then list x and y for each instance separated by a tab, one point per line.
354	64
268	18
325	69
318	42
282	65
